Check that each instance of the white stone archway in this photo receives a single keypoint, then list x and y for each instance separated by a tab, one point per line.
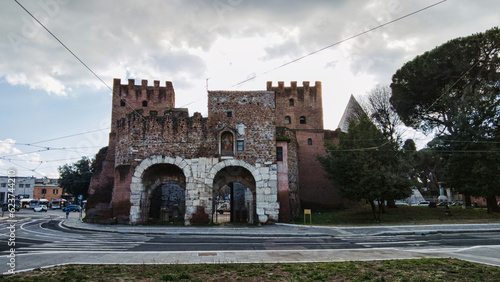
199	174
266	187
138	193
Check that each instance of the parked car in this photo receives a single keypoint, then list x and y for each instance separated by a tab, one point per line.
223	208
401	203
40	208
442	204
423	204
458	203
72	208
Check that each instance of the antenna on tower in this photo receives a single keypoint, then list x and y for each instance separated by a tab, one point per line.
206	85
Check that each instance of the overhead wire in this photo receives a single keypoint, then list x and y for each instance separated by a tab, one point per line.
463	76
81	61
55	37
339	42
253	77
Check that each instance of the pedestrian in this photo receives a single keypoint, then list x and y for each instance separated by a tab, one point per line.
67	213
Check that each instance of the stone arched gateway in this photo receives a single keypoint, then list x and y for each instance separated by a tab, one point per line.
199	184
140	193
266	191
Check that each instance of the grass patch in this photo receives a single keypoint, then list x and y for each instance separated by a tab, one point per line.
362	215
391	270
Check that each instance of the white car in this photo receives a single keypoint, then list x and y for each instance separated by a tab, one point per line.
423	204
40	208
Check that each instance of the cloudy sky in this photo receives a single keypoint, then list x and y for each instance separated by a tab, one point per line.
54	110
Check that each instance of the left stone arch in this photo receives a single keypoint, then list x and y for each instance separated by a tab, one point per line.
138	193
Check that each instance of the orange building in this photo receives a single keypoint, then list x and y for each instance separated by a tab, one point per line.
46	188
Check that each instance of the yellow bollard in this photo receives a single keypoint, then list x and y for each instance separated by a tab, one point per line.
310	216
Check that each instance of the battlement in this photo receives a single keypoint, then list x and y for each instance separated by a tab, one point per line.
137	94
293	85
298	107
144	84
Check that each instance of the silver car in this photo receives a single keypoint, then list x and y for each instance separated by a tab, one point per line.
40	208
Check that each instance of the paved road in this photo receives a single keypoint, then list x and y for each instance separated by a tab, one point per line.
44	239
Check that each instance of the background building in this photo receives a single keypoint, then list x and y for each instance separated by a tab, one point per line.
47	188
23	187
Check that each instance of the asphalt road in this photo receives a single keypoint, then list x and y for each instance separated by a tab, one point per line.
41	240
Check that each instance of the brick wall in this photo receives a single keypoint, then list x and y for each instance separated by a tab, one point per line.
307	103
251	119
171	133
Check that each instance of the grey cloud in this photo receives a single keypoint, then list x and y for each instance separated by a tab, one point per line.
108	35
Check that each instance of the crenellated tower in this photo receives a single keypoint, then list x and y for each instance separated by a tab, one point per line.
129	97
300	110
298	107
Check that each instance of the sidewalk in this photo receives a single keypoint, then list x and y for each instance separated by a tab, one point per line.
271	254
285	230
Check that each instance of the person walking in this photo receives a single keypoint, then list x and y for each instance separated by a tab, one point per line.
67	212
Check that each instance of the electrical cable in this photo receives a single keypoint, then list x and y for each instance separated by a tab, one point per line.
55	37
339	42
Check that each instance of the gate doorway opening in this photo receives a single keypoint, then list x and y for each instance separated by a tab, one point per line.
167	204
166	201
233	196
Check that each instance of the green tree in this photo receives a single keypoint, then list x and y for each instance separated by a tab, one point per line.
454	90
429	166
366	165
75	178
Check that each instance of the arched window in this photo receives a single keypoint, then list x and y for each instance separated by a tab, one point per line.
288	120
302	120
309	141
291	102
144	103
122	103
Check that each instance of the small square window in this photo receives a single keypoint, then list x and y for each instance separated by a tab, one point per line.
27	185
229	113
309	141
56	191
291	102
21	185
4	185
240	145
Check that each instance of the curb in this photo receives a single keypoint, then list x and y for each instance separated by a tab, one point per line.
270	235
429	232
283	235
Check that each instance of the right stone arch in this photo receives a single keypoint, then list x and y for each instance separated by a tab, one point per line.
234	194
264	179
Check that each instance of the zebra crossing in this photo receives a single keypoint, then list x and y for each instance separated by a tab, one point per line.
35	235
387	241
